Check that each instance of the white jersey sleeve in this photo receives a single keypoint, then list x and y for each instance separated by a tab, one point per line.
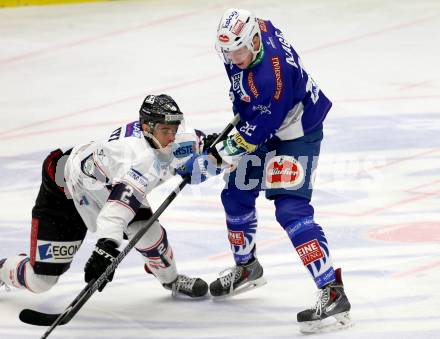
109	180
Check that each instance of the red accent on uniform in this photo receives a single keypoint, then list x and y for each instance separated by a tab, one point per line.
236	238
338	276
252	85
276	67
310	252
238	27
223	38
283	172
34	237
50	165
146	268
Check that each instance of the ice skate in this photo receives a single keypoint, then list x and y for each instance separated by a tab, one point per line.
238	279
192	287
331	311
2	261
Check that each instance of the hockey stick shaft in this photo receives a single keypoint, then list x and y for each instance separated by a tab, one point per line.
92	286
227	130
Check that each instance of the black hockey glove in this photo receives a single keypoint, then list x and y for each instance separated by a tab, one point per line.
209	140
204	141
103	255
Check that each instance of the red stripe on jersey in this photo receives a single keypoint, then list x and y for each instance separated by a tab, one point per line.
34	238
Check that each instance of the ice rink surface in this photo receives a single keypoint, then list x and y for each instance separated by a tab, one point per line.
69	74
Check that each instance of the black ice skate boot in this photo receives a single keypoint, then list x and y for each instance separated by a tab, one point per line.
2	261
192	287
238	279
330	312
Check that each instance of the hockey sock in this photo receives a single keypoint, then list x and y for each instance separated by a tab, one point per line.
241	235
158	254
311	245
295	214
241	221
18	272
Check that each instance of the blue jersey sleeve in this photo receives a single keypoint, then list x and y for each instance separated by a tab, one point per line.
276	96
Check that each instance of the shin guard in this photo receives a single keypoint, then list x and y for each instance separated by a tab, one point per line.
17	272
157	253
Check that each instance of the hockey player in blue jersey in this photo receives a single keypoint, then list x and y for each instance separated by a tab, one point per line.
277	143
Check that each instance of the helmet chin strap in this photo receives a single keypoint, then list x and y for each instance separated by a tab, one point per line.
153	139
163	150
251	46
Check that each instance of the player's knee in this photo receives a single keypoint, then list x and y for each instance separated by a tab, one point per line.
38	283
237	201
158	254
290	209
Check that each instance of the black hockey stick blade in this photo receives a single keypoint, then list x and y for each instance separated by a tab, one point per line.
36	318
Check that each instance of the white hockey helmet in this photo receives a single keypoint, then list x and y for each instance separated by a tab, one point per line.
236	29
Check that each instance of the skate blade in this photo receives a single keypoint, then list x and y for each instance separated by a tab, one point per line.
332	323
248	286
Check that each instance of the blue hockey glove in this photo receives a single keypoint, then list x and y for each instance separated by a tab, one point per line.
199	168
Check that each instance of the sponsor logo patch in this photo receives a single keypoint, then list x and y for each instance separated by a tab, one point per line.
239	140
310	252
223	38
236	238
251	84
237	86
284	171
263	109
137	178
238	27
229	147
133	129
229	18
185	149
276	66
56	251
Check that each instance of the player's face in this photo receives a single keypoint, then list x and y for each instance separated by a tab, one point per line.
165	134
242	57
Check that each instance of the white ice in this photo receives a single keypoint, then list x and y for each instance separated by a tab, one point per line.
69	73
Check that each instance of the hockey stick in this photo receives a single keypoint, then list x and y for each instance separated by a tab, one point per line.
44	319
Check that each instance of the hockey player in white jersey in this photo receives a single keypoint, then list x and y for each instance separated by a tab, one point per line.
101	186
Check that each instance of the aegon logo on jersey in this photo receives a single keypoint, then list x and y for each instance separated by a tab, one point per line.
310	252
284	171
57	251
184	149
236	238
237	85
